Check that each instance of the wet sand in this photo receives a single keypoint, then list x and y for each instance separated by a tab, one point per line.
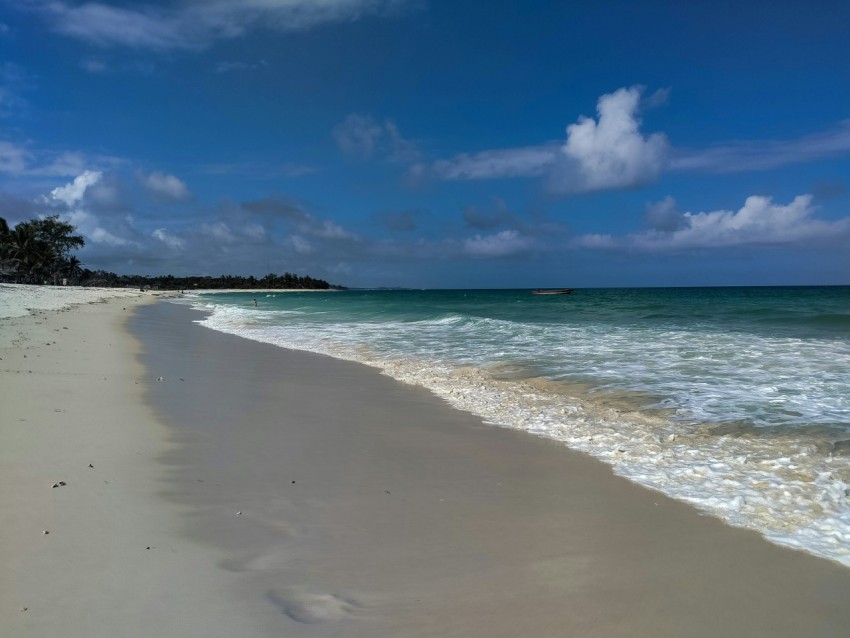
288	494
371	508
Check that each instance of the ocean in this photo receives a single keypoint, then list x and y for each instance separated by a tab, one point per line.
736	400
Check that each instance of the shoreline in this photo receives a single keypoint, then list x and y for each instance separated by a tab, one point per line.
287	493
785	485
370	507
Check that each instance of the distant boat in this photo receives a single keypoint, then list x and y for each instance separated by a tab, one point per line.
557	291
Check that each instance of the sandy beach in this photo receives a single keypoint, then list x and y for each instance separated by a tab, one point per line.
194	483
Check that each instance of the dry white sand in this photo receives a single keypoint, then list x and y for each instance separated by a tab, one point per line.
75	558
18	300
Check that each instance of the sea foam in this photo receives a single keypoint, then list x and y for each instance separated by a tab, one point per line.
707	419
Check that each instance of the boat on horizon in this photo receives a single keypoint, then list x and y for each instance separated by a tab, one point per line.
555	291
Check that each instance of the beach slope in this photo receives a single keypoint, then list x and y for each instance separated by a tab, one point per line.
367	507
88	547
207	485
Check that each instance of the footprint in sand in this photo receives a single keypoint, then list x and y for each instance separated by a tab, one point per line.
310	608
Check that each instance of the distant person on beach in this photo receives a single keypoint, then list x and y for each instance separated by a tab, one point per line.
255	302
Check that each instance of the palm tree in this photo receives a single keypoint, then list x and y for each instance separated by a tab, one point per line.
39	249
32	257
72	268
4	238
7	268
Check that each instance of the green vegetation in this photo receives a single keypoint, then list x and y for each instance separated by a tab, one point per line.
38	251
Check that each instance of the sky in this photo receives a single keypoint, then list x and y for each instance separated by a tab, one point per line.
436	143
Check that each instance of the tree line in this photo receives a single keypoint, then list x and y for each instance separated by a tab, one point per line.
39	251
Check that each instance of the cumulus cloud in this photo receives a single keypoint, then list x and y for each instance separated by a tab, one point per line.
92	228
665	215
611	152
100	235
72	193
166	188
599	154
196	24
760	221
362	137
506	243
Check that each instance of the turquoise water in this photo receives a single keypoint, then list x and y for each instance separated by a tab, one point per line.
734	399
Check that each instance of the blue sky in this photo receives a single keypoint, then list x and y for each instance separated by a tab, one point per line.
430	143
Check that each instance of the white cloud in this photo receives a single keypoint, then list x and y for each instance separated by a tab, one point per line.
23	161
357	135
611	153
196	24
530	161
172	241
107	25
755	155
254	231
94	232
218	230
167	188
301	245
361	136
503	244
604	154
13	158
61	165
328	229
73	193
665	215
759	221
100	235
